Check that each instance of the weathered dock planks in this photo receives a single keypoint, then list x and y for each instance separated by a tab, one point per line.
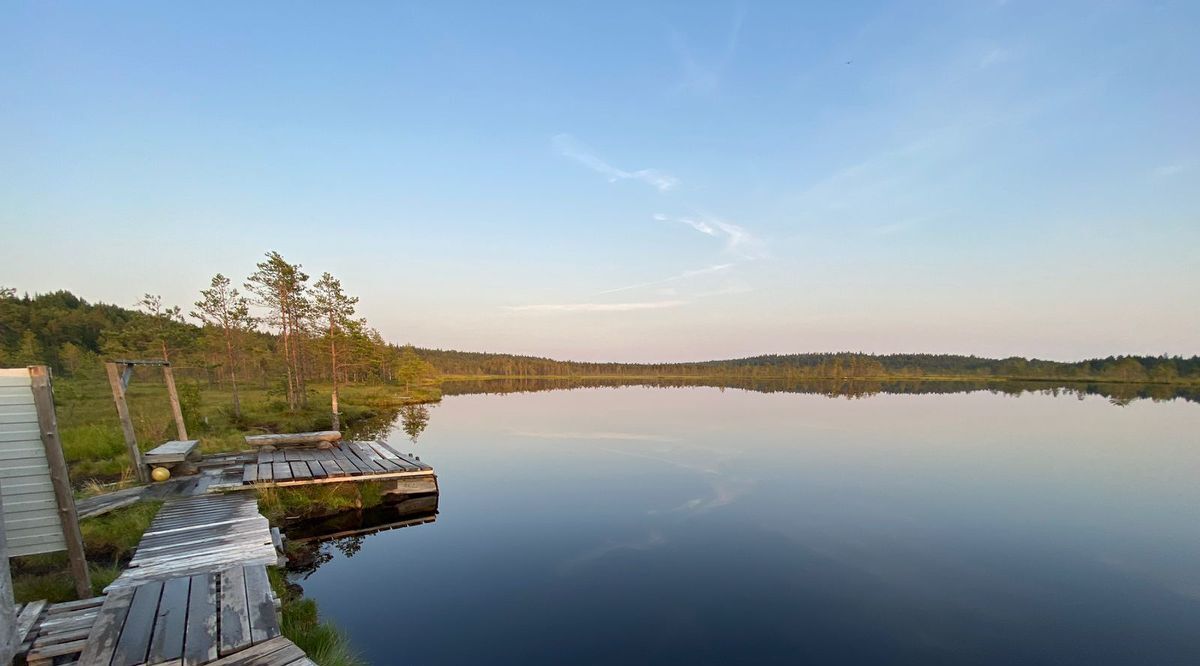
343	461
55	633
218	617
193	535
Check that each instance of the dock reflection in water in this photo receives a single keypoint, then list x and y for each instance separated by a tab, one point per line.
310	541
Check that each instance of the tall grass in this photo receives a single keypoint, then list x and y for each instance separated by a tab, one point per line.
321	499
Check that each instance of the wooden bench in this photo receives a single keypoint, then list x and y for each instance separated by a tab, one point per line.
323	439
182	453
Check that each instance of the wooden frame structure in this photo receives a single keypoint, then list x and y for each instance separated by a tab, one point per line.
119	374
28	471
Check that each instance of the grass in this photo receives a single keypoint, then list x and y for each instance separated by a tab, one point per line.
323	499
114	535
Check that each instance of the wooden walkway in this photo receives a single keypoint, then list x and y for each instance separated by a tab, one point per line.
199	534
55	633
345	461
208	618
196	591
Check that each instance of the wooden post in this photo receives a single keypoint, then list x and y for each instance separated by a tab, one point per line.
8	614
118	390
169	376
43	397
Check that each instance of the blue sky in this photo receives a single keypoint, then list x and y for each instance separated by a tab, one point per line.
626	181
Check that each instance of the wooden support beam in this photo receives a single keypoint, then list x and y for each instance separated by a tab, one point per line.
43	398
169	377
118	390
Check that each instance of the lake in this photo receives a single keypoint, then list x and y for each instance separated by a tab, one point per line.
696	525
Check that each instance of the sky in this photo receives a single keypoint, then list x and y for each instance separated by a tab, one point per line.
626	181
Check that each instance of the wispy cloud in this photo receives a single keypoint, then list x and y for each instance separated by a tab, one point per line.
597	307
996	56
718	268
568	146
653	540
701	77
1168	170
738	240
698	225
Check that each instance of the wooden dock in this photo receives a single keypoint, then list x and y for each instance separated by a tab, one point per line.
343	462
208	618
198	534
196	590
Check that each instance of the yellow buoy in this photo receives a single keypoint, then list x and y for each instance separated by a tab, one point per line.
160	474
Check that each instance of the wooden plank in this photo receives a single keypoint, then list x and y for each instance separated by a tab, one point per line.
383	450
235	617
317	469
421	482
68	622
264	472
250	473
332	468
103	639
300	470
412	460
170	622
134	643
25	619
259	602
200	642
69	606
281	471
366	455
268	652
344	462
64	636
97	506
171	452
49	652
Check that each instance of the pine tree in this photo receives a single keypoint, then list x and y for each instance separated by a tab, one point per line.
280	288
335	311
222	307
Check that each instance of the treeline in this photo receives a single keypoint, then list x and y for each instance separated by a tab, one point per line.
282	330
841	365
279	330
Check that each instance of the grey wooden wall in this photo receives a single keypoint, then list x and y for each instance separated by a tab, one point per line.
31	517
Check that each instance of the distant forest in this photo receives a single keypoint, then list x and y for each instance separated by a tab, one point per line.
285	332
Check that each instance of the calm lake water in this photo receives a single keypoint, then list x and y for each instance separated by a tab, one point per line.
700	526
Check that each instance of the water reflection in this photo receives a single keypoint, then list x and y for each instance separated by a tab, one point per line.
707	526
1118	393
311	541
413	420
